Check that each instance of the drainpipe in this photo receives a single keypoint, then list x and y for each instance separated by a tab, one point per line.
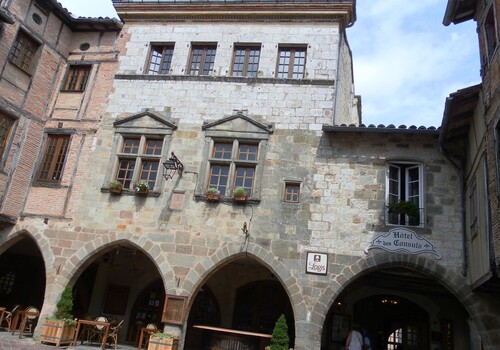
461	175
337	86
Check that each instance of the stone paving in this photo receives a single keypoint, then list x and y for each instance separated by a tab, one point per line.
9	341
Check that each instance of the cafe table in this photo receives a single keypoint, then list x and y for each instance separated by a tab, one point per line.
105	326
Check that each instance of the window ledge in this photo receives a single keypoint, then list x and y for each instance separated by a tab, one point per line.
226	200
212	78
132	193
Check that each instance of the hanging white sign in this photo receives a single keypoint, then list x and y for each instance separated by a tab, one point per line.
403	240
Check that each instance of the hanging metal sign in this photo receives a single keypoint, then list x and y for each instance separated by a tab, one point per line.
403	240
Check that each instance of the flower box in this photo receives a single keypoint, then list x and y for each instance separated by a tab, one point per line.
159	343
57	332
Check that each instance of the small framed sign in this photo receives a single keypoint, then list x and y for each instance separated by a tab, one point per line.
317	263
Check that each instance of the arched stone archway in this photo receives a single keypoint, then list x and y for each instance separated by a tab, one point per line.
231	276
448	280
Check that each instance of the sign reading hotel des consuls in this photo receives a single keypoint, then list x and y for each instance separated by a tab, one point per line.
402	240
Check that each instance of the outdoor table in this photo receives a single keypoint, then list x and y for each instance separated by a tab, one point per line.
149	331
106	326
15	320
236	336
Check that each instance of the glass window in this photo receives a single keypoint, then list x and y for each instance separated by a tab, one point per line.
292	192
246	61
23	52
202	59
160	59
291	62
490	33
54	156
6	124
230	169
404	194
77	78
139	160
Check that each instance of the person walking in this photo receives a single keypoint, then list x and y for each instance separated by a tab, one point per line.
354	340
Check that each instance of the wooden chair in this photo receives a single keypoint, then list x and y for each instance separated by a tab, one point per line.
29	321
97	331
8	316
113	334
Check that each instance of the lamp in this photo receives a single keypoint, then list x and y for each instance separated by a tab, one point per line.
171	166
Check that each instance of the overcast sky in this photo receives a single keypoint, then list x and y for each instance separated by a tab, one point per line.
405	61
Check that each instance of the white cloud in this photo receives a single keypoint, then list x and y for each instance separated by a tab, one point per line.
406	62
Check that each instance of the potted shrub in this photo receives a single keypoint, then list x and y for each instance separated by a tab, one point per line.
115	187
163	341
60	328
280	339
142	187
212	195
404	207
240	194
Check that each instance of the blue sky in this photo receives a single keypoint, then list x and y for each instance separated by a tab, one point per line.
405	61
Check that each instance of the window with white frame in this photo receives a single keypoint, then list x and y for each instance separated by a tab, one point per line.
404	194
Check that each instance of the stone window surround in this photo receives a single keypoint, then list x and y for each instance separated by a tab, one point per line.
213	136
120	133
409	162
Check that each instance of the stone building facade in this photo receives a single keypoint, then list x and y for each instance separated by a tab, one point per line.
259	96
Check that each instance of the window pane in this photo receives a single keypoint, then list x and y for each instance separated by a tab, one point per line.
202	60
77	78
125	172
154	147
5	127
292	193
222	150
160	59
244	177
149	172
22	52
218	178
131	146
246	61
247	152
54	157
291	63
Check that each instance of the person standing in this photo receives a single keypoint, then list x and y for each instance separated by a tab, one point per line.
354	340
367	344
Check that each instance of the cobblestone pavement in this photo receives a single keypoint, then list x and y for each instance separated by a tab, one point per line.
11	342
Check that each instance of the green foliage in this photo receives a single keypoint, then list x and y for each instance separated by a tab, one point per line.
240	191
164	336
142	185
115	186
280	339
404	207
65	306
212	190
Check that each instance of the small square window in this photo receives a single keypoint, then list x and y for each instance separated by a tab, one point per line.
292	192
23	52
77	78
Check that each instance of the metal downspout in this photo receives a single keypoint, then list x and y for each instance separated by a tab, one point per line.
337	86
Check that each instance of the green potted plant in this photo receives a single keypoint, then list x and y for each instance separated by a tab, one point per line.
115	187
60	328
163	341
240	194
280	339
212	195
404	207
142	187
